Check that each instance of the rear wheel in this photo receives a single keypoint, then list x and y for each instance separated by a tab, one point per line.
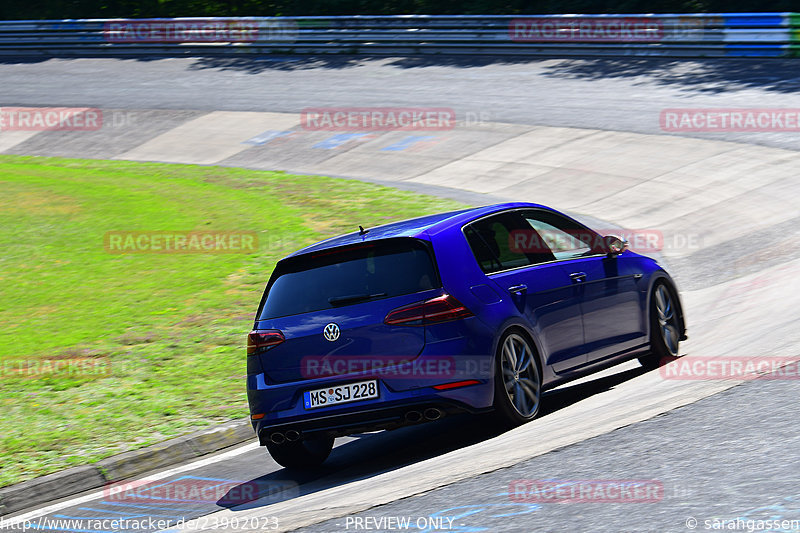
665	327
301	454
518	382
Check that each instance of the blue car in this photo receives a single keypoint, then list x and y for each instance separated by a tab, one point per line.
468	311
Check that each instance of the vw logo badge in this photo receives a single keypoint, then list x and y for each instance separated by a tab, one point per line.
331	332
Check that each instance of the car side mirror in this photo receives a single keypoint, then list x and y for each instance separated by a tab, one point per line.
615	245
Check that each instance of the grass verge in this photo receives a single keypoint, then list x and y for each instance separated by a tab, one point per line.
164	332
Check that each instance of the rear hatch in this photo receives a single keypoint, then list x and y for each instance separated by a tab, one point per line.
328	307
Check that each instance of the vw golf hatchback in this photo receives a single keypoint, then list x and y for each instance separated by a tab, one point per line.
469	311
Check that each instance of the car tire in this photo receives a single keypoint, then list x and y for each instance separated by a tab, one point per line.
301	454
665	327
517	381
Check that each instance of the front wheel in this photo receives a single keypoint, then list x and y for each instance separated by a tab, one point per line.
301	454
518	383
665	328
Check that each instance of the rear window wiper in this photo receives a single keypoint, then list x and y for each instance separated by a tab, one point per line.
353	298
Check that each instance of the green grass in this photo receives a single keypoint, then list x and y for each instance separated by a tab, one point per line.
171	326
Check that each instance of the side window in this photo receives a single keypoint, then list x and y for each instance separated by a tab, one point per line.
565	238
491	241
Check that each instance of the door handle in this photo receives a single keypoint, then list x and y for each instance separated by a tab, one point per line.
578	277
518	289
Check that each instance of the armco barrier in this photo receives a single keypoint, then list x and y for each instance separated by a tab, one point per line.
674	35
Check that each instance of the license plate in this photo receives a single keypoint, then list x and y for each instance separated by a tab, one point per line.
352	392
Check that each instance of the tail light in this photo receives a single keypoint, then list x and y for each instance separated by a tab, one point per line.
259	339
434	311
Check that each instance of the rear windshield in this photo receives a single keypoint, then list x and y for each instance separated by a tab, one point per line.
337	278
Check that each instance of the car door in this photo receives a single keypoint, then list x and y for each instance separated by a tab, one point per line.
607	291
534	283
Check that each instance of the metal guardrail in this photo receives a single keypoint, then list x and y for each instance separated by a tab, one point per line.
674	35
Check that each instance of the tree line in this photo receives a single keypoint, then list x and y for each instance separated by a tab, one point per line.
61	9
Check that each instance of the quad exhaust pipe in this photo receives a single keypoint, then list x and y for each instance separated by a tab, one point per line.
413	416
430	413
433	414
291	435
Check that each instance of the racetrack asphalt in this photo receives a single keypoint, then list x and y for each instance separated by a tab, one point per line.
726	456
617	94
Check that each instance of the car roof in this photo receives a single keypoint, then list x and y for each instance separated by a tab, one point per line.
415	227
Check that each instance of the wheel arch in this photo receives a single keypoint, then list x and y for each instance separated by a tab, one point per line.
516	325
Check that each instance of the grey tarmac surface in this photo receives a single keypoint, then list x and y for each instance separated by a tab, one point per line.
610	94
731	456
719	455
239	481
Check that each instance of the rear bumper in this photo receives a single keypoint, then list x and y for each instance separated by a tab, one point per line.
374	419
282	407
454	352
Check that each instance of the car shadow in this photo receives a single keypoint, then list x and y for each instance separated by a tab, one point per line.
371	454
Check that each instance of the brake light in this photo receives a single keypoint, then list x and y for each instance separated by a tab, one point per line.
434	311
342	250
263	338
